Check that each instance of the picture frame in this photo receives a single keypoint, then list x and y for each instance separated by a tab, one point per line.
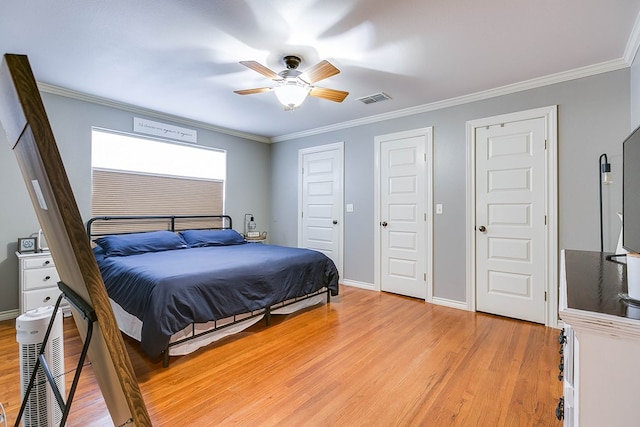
27	244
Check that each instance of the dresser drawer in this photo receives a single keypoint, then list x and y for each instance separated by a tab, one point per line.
40	298
37	262
40	278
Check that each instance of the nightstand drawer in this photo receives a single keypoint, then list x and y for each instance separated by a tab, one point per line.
40	298
38	262
40	278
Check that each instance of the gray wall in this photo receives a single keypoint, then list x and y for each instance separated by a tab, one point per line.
247	187
593	118
593	113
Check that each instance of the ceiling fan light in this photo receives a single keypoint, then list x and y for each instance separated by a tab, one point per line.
291	93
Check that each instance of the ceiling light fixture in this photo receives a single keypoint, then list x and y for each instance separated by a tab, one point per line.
291	92
293	86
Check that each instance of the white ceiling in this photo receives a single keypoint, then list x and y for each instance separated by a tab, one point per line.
181	57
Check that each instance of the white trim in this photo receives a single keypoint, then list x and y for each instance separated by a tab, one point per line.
564	76
429	212
428	132
449	303
56	90
589	70
633	43
602	324
319	149
9	314
376	215
361	285
550	115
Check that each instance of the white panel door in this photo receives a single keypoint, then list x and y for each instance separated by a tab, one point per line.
510	219
402	216
321	202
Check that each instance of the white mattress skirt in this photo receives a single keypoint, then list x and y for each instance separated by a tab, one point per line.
132	326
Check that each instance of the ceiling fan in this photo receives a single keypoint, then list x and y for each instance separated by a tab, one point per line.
293	86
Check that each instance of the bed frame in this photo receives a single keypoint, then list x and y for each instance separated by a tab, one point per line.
110	225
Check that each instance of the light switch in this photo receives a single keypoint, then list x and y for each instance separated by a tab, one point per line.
439	209
349	207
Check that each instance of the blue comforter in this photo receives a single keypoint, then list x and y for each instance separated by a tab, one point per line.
168	290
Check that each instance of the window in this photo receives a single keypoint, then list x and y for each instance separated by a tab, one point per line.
141	176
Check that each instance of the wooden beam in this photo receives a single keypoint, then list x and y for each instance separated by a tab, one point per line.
27	127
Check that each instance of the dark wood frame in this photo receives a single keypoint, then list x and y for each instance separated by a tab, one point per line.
29	133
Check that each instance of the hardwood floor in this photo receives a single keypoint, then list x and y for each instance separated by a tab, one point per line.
366	359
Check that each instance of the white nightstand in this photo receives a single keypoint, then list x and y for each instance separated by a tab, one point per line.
38	280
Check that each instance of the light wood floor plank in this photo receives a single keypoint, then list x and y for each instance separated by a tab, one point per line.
366	359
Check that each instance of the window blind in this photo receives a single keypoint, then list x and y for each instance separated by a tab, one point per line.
130	193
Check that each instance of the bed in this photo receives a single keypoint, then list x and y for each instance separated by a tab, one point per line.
177	283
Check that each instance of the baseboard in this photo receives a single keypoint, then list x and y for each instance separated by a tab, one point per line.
437	301
449	303
9	314
362	285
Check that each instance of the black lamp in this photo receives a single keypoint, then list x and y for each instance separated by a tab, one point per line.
604	170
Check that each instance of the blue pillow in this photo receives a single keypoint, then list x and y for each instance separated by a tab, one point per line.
138	243
200	238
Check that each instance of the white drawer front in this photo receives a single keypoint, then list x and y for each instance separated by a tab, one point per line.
41	278
40	298
38	262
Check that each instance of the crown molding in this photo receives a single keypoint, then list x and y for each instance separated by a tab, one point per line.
57	90
577	73
633	43
591	70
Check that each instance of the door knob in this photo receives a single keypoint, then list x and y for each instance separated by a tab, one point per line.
482	228
384	223
335	221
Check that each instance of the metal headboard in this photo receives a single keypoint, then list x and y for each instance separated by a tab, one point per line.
124	224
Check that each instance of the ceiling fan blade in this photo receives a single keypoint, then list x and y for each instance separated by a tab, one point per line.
256	66
252	91
320	71
329	94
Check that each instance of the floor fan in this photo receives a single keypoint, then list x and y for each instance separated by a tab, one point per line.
42	409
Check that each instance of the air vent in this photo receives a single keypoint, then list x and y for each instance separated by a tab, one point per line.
376	97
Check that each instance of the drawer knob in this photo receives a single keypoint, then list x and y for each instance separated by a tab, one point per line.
47	277
47	262
46	299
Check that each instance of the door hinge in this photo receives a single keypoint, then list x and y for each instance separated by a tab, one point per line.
545	144
425	216
545	295
301	214
424	277
425	157
545	220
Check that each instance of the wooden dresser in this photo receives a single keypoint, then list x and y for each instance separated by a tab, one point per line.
600	357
